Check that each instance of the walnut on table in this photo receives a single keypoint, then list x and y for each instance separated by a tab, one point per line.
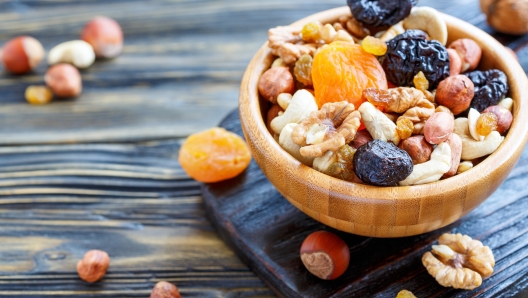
459	261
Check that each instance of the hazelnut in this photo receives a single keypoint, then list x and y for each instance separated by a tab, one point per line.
438	127
506	16
93	265
22	54
504	117
275	81
455	142
105	36
165	289
38	95
325	255
469	52
455	93
455	64
361	138
64	80
419	150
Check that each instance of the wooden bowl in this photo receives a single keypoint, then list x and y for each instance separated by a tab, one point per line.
385	211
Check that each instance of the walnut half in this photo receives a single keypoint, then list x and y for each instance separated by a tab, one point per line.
459	261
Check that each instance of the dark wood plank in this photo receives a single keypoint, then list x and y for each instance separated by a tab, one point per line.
266	231
133	201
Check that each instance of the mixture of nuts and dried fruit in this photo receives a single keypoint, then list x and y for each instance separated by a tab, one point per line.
379	98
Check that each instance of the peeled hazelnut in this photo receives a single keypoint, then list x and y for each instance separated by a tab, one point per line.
93	265
275	81
504	117
325	255
506	16
455	142
105	36
164	289
361	138
22	54
64	80
419	150
438	127
456	93
455	64
469	52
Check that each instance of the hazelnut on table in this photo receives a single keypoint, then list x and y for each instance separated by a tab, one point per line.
165	289
105	36
22	54
64	80
93	266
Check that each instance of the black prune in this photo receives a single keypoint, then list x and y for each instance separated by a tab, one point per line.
490	87
409	53
382	163
380	13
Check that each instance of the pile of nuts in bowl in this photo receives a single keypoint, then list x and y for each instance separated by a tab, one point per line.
102	37
378	98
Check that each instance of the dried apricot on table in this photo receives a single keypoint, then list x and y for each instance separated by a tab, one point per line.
214	155
342	70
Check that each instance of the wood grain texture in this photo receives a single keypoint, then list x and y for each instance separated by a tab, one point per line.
266	231
396	211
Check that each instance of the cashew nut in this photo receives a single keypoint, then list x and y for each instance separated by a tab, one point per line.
392	32
429	20
464	166
378	124
433	169
284	100
507	103
472	149
285	141
77	52
322	163
301	105
473	116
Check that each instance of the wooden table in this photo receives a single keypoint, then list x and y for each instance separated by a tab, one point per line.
101	171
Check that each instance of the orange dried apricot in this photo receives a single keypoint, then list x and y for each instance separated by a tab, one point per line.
214	155
341	71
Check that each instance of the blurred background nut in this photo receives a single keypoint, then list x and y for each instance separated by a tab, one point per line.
93	266
506	16
165	289
456	93
105	36
469	52
22	54
64	80
38	95
77	52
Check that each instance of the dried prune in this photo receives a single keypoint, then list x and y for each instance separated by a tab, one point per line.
380	13
490	87
382	163
410	53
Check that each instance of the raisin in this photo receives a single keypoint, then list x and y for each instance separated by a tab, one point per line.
404	127
311	32
343	168
490	87
380	13
420	81
374	46
38	95
409	53
486	123
381	163
303	70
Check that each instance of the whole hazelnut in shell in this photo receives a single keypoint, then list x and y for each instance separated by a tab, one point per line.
105	36
506	16
325	255
455	93
22	54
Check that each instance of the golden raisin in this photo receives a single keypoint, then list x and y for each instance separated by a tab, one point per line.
214	155
38	95
343	167
404	127
311	32
342	70
420	82
486	123
405	294
303	70
374	46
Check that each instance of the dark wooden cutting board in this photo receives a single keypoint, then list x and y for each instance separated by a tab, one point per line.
266	232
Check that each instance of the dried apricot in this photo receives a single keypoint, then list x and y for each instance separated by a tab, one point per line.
214	155
341	71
